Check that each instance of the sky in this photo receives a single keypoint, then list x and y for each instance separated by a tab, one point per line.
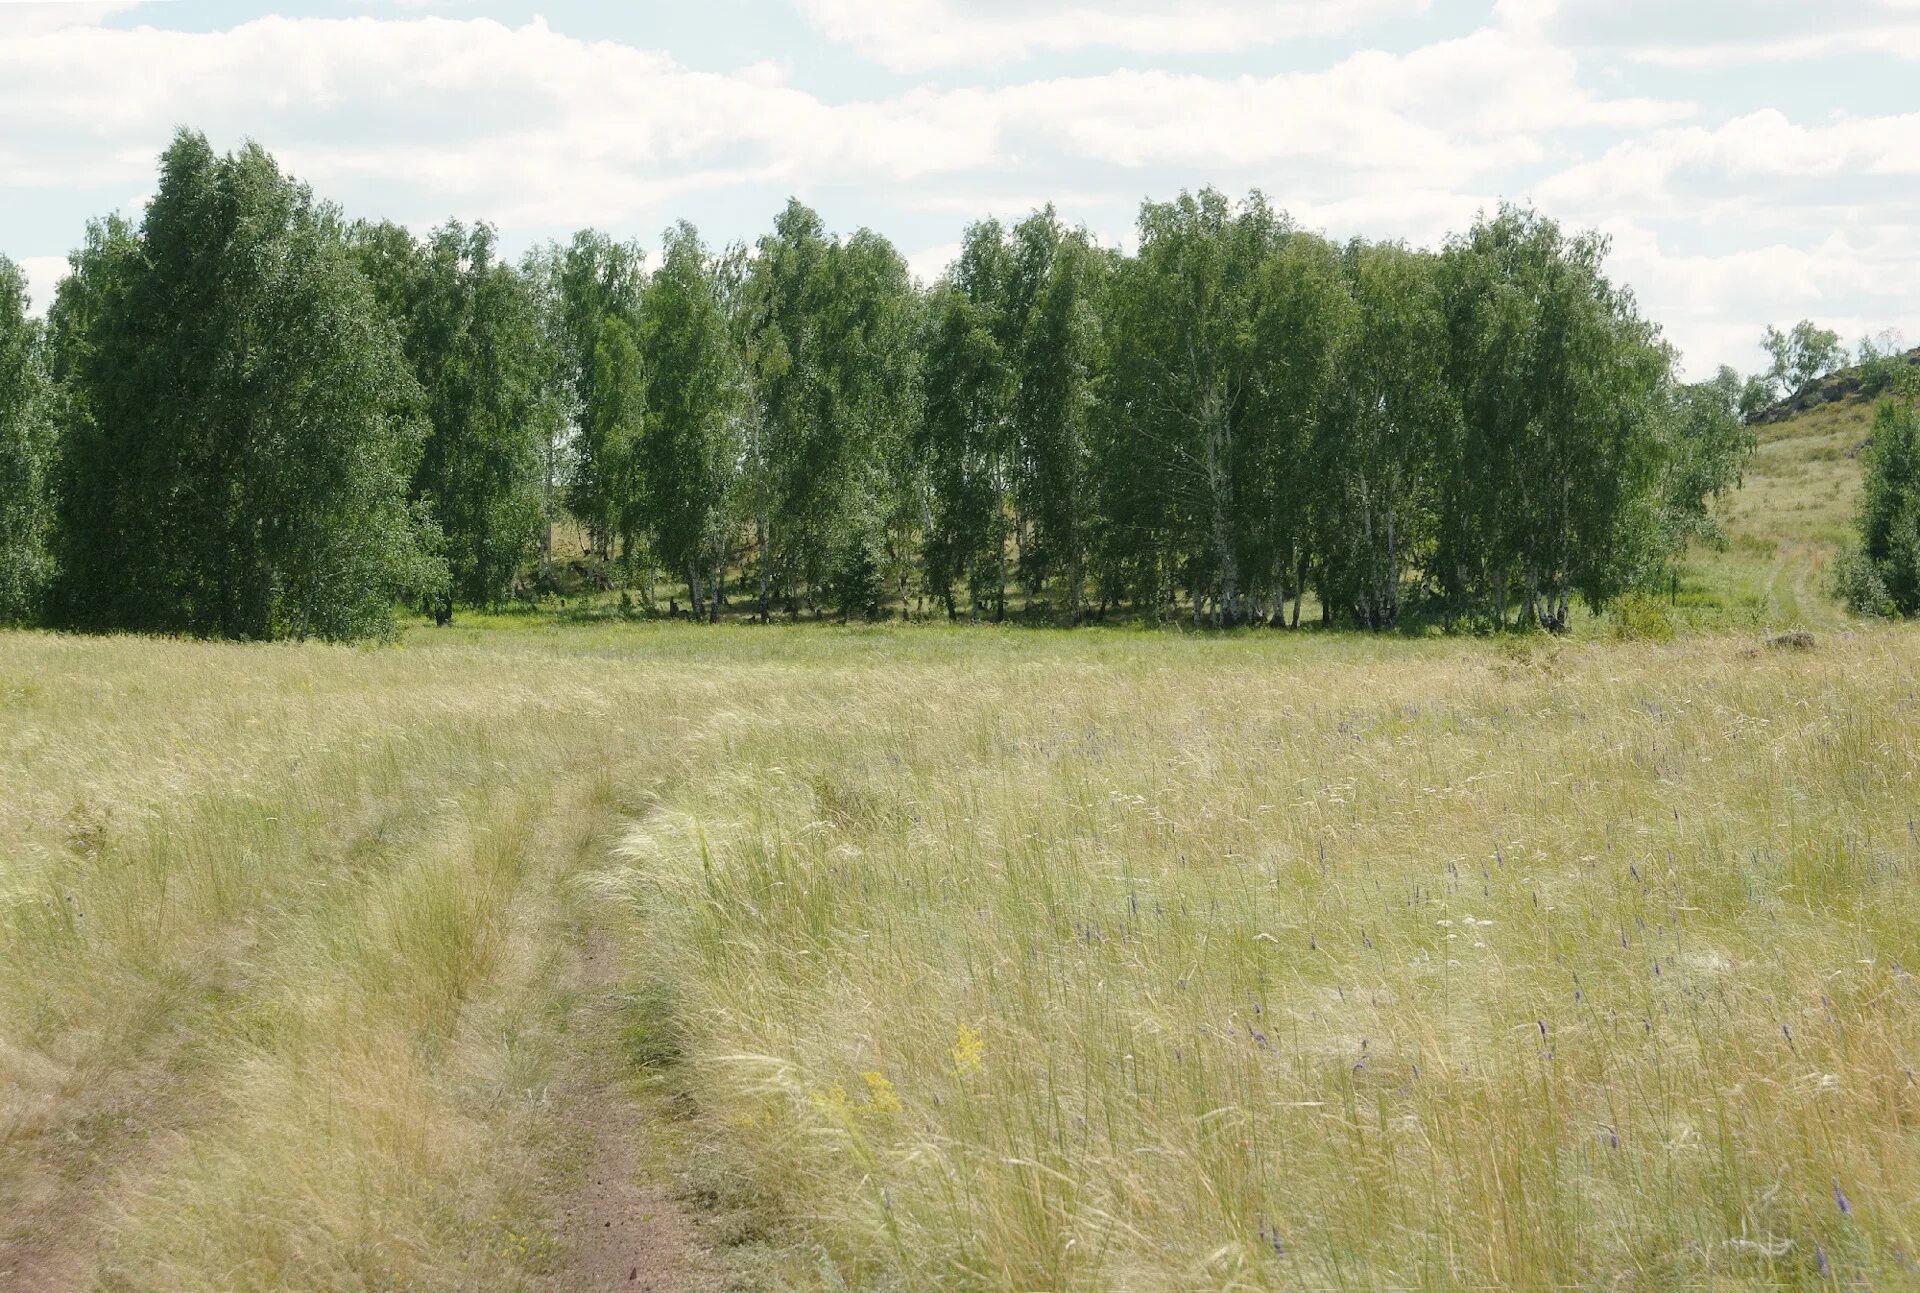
1753	162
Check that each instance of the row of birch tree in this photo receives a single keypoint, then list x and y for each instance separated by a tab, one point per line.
245	416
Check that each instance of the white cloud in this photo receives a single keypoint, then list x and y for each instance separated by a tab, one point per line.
919	35
43	278
1759	166
27	17
1779	221
1901	40
527	125
1707	35
1715	306
929	263
1725	217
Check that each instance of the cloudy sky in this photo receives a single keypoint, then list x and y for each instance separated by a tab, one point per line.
1754	161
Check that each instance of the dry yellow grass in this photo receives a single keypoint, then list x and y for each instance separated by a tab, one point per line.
280	946
1225	964
981	959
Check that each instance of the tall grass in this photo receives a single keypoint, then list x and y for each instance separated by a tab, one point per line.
977	959
1219	965
280	932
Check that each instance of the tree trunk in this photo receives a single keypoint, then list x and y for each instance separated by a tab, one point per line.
1391	590
1075	577
760	539
1000	596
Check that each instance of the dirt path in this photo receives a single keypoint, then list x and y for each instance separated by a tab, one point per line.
615	1206
50	1239
624	1226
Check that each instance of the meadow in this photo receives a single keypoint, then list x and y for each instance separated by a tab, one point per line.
1782	529
912	956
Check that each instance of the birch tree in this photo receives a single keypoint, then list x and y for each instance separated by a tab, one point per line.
239	425
690	450
28	446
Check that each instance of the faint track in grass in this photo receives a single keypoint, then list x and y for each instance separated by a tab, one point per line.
625	1226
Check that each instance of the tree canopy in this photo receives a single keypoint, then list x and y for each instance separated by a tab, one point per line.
1804	353
26	452
245	417
241	419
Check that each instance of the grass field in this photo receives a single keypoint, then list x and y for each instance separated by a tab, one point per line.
976	958
1783	528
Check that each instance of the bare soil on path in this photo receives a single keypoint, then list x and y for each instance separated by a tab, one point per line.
624	1227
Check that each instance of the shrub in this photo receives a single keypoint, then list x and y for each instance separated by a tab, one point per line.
1640	618
1857	583
1881	576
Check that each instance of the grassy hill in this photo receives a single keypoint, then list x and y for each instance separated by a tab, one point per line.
1783	527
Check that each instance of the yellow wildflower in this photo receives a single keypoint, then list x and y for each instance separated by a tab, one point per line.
968	1051
833	1100
881	1097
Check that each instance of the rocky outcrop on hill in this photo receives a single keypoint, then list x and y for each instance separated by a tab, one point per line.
1831	389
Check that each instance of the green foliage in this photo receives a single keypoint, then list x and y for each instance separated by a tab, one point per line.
27	452
1881	574
795	444
1803	354
690	450
1061	361
1238	415
1756	396
594	326
1882	361
874	385
965	438
474	335
1389	418
1553	487
240	418
1708	447
1857	582
610	478
1639	618
828	329
1186	372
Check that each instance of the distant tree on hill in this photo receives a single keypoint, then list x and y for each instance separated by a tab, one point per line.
1756	396
27	448
1881	358
1803	354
